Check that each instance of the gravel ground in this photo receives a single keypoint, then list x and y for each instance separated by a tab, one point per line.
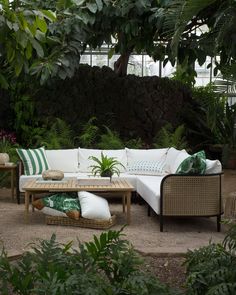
169	270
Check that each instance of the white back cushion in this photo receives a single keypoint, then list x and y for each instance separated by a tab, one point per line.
64	160
213	166
85	162
119	155
178	160
171	156
93	207
134	155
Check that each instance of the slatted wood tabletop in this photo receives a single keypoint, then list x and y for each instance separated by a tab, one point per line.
71	185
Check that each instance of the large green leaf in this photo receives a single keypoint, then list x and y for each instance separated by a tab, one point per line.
42	25
92	7
37	46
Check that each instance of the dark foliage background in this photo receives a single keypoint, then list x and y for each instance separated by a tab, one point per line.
133	106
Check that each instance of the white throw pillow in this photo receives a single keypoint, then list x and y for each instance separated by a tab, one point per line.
147	167
213	166
63	160
134	155
93	207
179	159
84	161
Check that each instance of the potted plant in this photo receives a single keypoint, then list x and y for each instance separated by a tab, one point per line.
7	146
106	166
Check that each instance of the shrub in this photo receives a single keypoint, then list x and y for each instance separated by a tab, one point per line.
211	270
89	133
110	140
106	265
59	135
170	137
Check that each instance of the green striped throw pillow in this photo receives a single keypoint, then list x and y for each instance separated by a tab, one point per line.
34	160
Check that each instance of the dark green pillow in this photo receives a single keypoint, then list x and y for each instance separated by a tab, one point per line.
63	202
195	164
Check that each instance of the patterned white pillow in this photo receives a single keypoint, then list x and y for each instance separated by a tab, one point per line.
147	167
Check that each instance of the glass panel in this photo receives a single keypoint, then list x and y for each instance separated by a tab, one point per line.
150	67
135	65
100	60
203	74
85	59
113	60
168	70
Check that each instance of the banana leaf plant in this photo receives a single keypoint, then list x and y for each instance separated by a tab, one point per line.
106	166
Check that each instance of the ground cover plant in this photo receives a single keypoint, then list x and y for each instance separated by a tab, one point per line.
109	265
106	265
211	270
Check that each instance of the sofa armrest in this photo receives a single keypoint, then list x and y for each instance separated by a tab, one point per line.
191	195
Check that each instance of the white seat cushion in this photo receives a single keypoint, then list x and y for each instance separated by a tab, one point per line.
63	160
148	187
131	178
93	207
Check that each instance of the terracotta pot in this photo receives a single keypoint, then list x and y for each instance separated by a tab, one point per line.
4	158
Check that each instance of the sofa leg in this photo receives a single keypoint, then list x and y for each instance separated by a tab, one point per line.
149	210
218	223
161	223
17	184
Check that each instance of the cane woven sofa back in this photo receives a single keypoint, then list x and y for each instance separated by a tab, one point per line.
191	195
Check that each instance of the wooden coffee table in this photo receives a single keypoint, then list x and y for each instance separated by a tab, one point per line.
118	186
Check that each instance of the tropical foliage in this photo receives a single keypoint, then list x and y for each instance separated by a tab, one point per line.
215	118
211	270
52	35
105	166
106	265
170	137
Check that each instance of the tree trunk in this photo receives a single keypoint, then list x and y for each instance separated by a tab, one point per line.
121	65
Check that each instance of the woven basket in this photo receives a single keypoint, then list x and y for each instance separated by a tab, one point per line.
81	222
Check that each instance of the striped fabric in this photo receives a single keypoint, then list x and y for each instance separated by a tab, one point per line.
34	160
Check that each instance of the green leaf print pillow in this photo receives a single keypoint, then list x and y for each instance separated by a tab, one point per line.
195	164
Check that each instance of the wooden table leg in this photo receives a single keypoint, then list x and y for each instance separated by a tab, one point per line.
128	204
27	196
32	200
12	184
123	203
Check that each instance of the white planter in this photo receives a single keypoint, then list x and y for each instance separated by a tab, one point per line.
4	158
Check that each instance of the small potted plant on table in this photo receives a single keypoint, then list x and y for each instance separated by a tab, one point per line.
106	166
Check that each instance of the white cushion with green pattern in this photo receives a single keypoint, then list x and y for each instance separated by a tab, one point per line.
195	164
34	160
143	167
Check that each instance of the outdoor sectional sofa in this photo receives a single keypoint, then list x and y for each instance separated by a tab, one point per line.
168	193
